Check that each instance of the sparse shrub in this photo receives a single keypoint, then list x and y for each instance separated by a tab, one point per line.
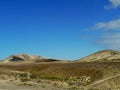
83	80
43	86
24	80
55	85
26	84
39	81
75	88
11	80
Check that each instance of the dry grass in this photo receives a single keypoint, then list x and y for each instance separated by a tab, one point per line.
57	70
64	71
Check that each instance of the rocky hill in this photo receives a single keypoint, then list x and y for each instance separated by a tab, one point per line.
27	58
102	56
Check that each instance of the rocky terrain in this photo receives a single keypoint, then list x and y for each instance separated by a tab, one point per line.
102	56
27	58
98	71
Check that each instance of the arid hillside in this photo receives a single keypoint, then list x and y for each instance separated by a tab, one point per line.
25	58
99	71
102	56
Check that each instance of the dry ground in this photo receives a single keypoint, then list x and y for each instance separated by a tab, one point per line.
60	76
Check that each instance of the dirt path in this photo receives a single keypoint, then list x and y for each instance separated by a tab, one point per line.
100	81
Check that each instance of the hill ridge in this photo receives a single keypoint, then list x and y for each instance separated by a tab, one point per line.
101	56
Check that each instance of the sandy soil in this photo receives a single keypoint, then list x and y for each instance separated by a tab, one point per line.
11	84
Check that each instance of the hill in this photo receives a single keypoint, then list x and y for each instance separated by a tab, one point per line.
102	56
27	58
98	71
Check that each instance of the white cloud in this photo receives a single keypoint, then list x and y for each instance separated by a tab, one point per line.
114	4
109	36
110	41
111	25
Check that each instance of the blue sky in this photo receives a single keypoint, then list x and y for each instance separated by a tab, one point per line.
63	29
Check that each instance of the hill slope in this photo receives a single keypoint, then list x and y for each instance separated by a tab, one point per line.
27	58
102	56
99	71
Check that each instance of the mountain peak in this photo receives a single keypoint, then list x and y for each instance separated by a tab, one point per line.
22	57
